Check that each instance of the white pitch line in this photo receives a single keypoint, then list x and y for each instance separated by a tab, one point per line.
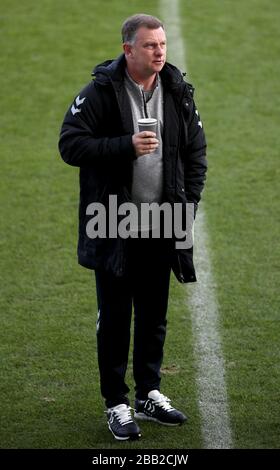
210	378
212	393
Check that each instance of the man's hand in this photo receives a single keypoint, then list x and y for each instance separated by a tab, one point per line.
144	142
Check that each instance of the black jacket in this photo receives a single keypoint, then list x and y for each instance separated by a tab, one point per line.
96	136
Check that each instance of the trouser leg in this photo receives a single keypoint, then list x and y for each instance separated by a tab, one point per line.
113	335
151	278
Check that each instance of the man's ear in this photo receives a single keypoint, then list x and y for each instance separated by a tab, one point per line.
127	48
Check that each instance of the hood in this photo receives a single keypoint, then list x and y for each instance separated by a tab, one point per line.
110	71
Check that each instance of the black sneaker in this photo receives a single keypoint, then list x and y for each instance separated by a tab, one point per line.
121	424
157	408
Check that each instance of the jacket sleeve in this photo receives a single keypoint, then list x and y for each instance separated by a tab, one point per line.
82	141
195	161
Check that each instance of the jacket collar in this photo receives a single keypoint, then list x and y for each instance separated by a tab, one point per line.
113	71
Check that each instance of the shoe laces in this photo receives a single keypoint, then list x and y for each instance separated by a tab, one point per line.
122	413
163	402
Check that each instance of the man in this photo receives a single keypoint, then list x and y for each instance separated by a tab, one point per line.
100	135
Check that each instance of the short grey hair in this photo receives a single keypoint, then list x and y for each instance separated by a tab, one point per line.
133	23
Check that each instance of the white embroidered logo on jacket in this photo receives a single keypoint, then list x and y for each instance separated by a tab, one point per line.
198	117
78	102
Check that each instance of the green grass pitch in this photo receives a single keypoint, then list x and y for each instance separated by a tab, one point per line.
49	376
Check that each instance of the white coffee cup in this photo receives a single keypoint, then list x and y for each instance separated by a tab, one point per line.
147	124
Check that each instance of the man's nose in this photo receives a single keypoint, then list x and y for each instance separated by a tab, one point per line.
159	50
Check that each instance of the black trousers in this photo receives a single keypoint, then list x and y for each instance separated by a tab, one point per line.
144	287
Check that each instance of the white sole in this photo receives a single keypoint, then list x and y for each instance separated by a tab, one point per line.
144	417
127	438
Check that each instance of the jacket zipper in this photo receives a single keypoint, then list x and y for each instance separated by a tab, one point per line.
179	138
181	275
182	279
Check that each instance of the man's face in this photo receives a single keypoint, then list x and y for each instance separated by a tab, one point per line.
148	53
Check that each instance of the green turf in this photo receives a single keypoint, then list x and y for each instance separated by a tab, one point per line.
49	379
